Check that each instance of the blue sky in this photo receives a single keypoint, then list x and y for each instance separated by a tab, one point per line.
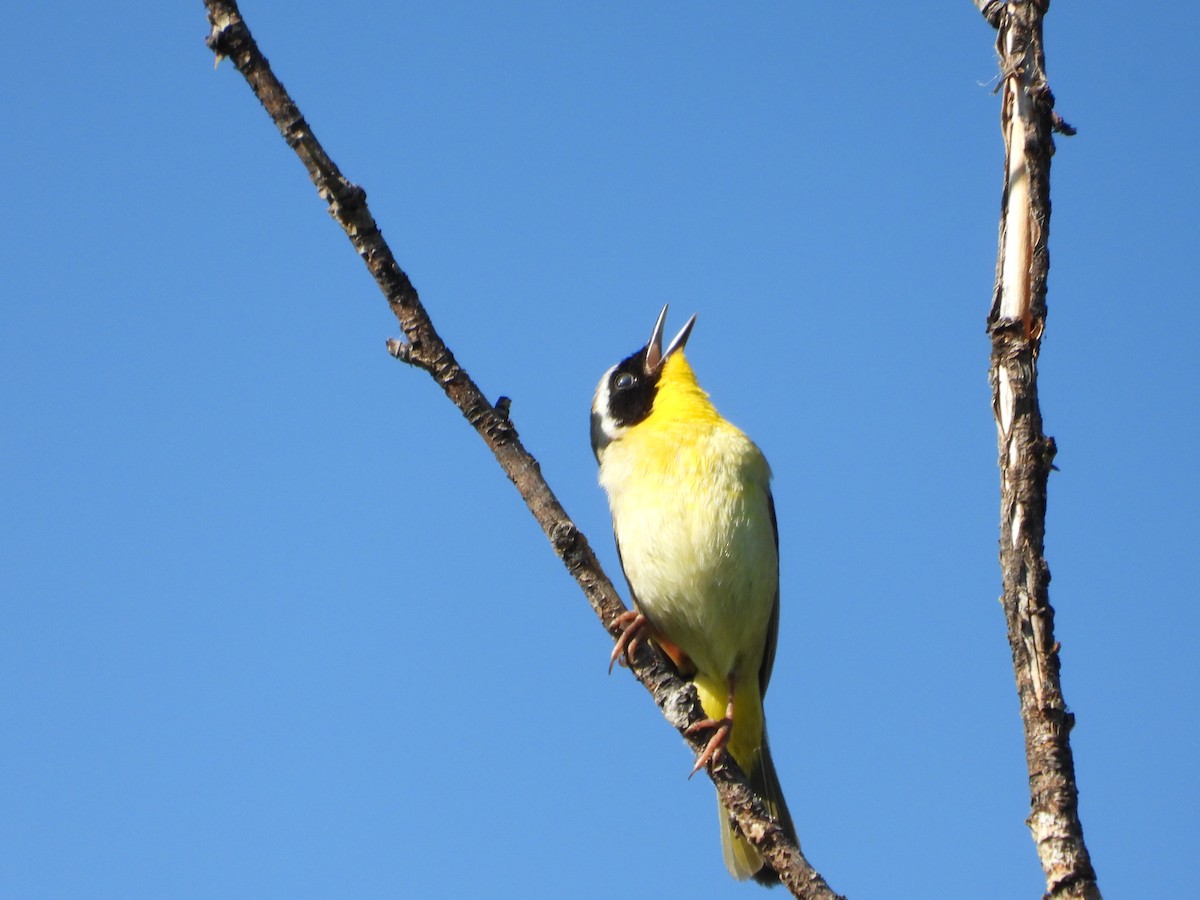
275	624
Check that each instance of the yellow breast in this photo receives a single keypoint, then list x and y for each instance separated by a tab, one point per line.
690	502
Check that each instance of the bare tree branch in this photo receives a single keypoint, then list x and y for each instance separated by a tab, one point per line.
423	348
1015	323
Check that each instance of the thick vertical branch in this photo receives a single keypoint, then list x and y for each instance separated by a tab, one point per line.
1015	324
423	347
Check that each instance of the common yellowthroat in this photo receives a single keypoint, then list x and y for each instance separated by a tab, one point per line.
696	534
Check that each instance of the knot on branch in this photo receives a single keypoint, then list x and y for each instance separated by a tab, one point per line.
1011	330
496	425
345	196
403	351
1047	450
1015	338
682	708
504	407
565	538
225	36
1060	125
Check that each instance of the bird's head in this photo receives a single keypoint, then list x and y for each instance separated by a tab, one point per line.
626	394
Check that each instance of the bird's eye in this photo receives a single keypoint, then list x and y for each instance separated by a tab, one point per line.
624	380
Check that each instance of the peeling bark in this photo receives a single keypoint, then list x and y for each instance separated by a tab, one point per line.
1026	455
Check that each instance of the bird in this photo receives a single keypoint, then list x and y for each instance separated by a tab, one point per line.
697	539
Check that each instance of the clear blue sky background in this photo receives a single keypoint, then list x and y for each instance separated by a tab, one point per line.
275	624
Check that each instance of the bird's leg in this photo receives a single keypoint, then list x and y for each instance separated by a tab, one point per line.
634	626
715	748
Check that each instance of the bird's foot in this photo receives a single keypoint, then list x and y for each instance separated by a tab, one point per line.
634	626
715	749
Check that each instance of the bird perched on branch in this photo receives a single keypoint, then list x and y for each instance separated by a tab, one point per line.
697	537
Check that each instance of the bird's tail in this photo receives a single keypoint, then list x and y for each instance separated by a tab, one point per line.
741	858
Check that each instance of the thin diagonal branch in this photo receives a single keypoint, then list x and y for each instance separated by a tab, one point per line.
423	348
1015	323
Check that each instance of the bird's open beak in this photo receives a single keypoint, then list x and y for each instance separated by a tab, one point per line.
655	356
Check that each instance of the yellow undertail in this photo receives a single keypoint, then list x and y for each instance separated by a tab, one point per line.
742	860
748	746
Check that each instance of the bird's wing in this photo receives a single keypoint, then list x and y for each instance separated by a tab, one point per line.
768	660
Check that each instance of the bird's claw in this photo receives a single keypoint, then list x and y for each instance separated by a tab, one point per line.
715	748
633	627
